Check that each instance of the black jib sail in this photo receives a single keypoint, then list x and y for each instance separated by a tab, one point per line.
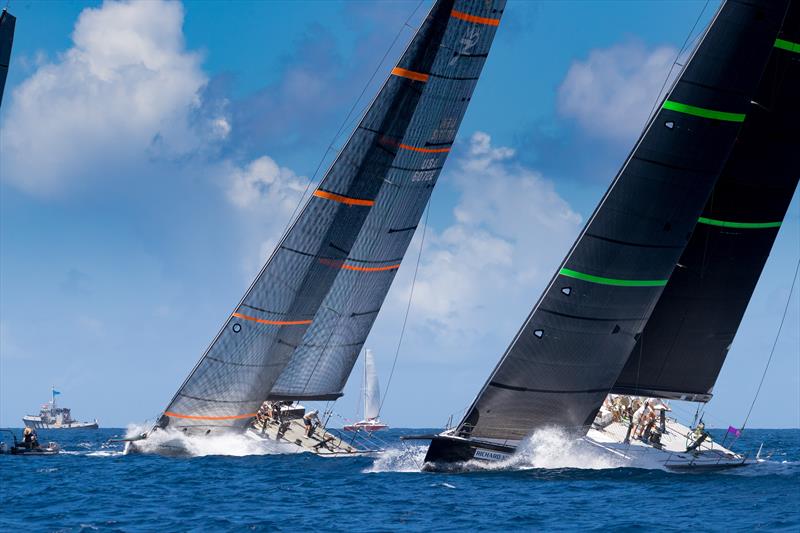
316	298
682	349
573	345
7	23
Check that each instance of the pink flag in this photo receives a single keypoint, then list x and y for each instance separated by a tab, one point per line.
735	431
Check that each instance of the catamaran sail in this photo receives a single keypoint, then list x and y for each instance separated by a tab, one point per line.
372	398
372	390
682	349
578	337
7	23
300	326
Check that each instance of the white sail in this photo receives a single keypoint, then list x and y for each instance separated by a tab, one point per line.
372	389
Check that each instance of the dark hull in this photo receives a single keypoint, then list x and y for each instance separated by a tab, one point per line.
447	453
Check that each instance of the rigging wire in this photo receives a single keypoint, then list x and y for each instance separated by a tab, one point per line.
774	344
408	306
347	117
677	57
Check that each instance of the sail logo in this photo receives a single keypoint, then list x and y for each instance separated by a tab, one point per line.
490	455
468	42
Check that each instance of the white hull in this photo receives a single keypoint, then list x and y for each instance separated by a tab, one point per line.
293	434
36	422
673	454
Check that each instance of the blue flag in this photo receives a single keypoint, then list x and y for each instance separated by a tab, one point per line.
55	392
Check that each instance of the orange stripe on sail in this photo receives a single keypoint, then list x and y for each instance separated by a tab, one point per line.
473	18
410	74
370	269
342	199
273	322
425	150
193	417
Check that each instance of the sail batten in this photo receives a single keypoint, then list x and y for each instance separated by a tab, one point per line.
571	350
338	258
684	345
322	363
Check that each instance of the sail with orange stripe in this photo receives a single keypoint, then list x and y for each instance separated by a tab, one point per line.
298	329
320	366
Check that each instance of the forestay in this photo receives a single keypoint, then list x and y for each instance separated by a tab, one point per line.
685	342
575	342
324	360
335	263
7	24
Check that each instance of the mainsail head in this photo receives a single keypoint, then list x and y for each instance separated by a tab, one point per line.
308	312
573	345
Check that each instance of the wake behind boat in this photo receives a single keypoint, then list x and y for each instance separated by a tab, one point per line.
297	332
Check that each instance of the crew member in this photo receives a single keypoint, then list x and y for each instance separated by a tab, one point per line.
309	420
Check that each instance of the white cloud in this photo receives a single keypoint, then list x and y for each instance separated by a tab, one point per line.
611	93
511	229
127	88
265	195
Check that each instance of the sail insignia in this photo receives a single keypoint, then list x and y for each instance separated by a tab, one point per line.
297	330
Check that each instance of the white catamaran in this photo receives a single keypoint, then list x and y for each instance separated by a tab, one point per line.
648	300
299	328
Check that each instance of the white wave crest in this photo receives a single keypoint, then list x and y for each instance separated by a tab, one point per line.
553	448
404	459
171	442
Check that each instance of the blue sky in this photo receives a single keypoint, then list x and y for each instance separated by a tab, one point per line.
152	154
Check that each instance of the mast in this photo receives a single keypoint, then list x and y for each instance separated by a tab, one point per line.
576	340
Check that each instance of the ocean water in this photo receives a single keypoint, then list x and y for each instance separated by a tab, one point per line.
554	485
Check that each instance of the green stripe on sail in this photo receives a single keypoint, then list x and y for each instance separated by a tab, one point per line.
787	45
743	225
611	281
702	112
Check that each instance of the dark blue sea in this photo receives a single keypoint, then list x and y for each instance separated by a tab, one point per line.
92	487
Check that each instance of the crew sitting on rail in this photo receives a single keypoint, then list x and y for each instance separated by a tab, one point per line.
640	419
311	420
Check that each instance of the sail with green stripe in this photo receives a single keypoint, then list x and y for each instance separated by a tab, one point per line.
575	342
694	324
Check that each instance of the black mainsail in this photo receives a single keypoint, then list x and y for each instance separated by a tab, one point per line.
579	335
681	351
7	24
316	298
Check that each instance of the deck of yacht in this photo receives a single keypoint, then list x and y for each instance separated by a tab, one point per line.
673	452
293	432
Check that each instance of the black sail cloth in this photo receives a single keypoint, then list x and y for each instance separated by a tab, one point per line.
685	342
7	24
571	349
297	289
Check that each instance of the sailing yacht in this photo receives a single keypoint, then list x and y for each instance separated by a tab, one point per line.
297	332
372	399
648	300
